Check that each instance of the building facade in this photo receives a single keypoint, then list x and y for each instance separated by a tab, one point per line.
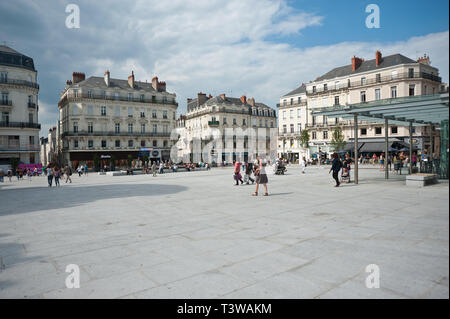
19	127
222	114
114	119
381	78
49	147
292	114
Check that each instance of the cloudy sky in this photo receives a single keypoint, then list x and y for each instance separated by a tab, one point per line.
260	48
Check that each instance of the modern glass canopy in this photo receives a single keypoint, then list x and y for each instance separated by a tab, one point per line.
406	111
418	110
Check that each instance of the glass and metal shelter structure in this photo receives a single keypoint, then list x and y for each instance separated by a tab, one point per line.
431	110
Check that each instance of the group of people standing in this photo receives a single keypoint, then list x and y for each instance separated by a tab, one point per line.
54	172
257	168
337	165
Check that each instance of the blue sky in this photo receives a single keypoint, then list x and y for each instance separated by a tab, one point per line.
345	20
260	48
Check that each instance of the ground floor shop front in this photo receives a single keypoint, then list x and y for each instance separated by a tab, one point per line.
112	160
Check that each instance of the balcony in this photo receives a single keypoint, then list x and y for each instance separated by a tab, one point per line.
6	102
20	124
31	105
375	80
19	82
112	133
20	148
294	104
77	97
213	123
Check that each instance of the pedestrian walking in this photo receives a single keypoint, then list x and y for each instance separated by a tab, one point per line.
261	176
237	173
154	169
50	176
29	173
248	173
336	166
68	172
2	174
57	173
10	174
86	169
303	164
161	168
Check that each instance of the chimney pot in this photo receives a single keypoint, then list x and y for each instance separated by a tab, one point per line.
356	62
107	77
78	77
201	98
244	99
378	58
131	80
223	96
159	86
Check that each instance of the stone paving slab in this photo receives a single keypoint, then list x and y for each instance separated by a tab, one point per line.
195	235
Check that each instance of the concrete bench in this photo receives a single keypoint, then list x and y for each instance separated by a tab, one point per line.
421	180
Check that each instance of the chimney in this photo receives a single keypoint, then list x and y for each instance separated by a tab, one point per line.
378	58
201	98
131	80
210	96
223	96
68	82
356	62
77	77
425	59
243	99
251	101
157	85
107	78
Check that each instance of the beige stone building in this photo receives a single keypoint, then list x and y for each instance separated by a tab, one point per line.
222	115
19	127
362	81
49	147
292	119
113	118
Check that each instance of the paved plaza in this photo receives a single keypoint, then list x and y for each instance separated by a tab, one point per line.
195	235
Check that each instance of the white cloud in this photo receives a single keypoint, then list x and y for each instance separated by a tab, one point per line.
210	46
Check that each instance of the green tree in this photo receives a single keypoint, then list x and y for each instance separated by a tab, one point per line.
337	140
129	160
145	161
304	139
96	161
112	162
14	163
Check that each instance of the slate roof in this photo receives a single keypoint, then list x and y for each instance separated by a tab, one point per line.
217	100
11	57
369	65
99	83
299	90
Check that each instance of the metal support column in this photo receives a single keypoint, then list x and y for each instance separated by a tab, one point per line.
431	143
410	147
356	147
430	158
386	148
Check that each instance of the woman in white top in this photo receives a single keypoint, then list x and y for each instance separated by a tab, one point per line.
261	176
303	164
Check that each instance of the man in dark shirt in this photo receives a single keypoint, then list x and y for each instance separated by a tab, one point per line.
336	166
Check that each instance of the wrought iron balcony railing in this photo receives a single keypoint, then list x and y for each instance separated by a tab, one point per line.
20	124
6	102
19	82
76	97
113	133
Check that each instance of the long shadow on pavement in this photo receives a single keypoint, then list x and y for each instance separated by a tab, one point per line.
31	199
